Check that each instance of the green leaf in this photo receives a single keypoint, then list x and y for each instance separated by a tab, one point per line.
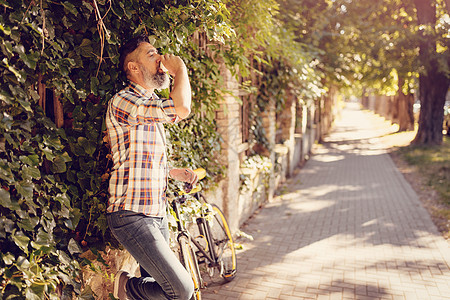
31	160
53	142
76	216
63	199
5	29
58	165
64	258
38	289
88	146
21	241
25	224
6	226
86	49
44	238
30	294
6	173
25	188
48	153
94	85
31	172
70	7
73	247
65	213
8	258
22	263
78	113
5	198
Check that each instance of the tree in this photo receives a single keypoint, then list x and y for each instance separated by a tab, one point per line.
434	78
410	37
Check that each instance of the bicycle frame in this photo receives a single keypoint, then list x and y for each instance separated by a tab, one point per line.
213	261
216	254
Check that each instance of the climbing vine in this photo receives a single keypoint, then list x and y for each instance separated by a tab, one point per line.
53	177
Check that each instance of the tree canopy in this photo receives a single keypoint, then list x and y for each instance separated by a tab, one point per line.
374	45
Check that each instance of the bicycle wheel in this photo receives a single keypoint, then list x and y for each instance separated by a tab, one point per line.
222	244
189	260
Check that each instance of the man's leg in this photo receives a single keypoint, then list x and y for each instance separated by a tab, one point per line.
142	237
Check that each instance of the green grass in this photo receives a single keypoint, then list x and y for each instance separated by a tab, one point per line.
433	164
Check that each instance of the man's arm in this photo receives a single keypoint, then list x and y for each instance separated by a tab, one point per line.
181	90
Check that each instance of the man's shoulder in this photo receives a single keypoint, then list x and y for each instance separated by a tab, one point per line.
126	93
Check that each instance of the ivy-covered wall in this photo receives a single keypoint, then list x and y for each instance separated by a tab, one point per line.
53	178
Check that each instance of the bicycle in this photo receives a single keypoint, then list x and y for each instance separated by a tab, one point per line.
218	252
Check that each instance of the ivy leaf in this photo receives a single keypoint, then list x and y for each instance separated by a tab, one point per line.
73	247
8	258
29	294
70	7
5	29
5	173
88	147
78	113
63	199
25	188
86	48
25	224
76	216
65	213
31	160
5	198
13	70
94	85
64	258
48	153
21	241
58	165
102	223
29	223
30	60
6	226
53	142
43	238
31	172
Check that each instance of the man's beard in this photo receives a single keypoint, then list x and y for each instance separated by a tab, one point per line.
159	80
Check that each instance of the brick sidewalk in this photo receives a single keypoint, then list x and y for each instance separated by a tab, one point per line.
347	226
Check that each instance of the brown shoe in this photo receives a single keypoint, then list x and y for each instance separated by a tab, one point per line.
120	283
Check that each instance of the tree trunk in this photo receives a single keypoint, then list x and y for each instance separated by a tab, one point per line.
432	91
404	108
433	83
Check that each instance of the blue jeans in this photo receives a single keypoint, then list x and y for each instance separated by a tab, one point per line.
146	238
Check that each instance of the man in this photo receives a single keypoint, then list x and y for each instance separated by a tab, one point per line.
137	204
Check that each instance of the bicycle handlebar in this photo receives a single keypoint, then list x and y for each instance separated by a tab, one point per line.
201	173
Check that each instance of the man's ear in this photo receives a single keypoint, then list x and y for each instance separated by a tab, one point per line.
133	67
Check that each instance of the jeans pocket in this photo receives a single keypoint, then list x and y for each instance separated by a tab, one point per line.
122	218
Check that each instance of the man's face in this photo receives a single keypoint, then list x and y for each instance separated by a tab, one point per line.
149	63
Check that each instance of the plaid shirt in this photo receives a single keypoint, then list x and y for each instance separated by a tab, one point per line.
139	178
